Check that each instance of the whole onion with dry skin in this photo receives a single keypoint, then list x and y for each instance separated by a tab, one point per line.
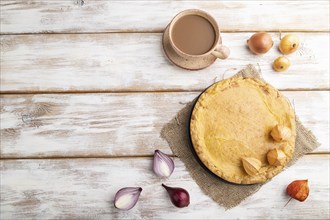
281	64
179	196
289	43
260	43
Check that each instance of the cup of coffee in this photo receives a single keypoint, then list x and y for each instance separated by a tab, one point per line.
194	36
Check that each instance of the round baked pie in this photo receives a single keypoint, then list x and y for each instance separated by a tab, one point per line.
243	130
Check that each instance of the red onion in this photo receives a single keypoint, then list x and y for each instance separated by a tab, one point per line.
127	197
179	197
163	165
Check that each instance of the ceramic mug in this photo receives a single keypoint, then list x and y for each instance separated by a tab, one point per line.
218	50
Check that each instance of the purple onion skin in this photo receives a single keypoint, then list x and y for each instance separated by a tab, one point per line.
161	158
179	197
135	191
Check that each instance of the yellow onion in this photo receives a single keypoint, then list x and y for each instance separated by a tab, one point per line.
289	43
281	63
260	43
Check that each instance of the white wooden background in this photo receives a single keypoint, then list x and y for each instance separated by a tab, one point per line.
86	90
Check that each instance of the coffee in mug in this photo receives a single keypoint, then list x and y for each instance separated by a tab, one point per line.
192	40
193	34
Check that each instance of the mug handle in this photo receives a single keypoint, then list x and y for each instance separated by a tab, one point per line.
221	52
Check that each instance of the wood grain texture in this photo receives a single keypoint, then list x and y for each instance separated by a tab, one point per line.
87	56
77	16
85	189
135	62
115	124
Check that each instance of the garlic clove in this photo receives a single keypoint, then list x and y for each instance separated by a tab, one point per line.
276	157
280	133
127	197
163	165
251	165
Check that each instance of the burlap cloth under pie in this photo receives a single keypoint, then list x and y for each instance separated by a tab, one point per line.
226	194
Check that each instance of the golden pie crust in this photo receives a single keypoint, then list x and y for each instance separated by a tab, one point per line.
233	119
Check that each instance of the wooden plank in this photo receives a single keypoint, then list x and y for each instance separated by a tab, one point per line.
96	125
135	62
72	16
85	189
